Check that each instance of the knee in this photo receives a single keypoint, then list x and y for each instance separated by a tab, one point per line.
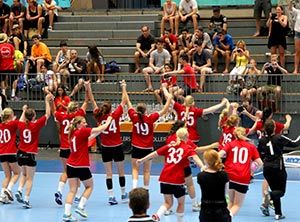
137	54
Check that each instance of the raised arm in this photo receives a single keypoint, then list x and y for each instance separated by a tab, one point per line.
97	130
166	106
22	117
48	100
90	95
87	87
214	108
288	122
125	94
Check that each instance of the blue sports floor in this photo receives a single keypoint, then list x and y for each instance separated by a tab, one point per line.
45	209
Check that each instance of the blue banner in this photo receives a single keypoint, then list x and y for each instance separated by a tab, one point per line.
221	2
61	3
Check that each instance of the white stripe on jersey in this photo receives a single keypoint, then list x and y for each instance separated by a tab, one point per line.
293	141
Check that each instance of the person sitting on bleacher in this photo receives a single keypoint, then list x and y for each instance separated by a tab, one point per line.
201	36
34	18
62	59
223	46
40	55
17	15
171	44
188	10
202	63
185	41
158	58
168	15
4	15
217	21
51	14
18	39
144	46
95	63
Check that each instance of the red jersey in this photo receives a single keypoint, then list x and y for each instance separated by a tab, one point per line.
29	134
176	159
79	156
8	134
142	131
239	155
189	77
260	125
227	136
192	118
171	81
7	52
173	138
64	120
111	137
63	100
173	39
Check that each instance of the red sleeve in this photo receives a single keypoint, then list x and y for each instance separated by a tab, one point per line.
227	147
80	112
15	124
177	107
67	99
247	130
191	144
118	112
41	121
198	112
86	132
132	116
162	151
278	127
154	116
191	152
259	125
255	153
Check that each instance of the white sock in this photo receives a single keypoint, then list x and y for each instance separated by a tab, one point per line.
146	187
110	193
13	93
10	186
60	186
2	191
134	183
26	198
82	202
161	211
179	217
123	190
20	189
3	91
78	195
68	208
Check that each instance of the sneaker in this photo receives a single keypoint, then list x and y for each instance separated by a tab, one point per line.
196	207
155	217
112	201
9	194
81	212
279	217
15	98
4	199
69	218
76	200
169	212
265	210
124	198
271	205
50	28
26	205
19	197
58	198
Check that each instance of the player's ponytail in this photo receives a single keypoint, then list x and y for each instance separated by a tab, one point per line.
269	128
224	114
105	108
213	160
182	135
6	114
29	115
72	106
240	133
267	112
74	122
141	110
178	124
233	120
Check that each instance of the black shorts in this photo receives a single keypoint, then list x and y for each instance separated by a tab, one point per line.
8	76
33	65
176	190
238	187
112	154
8	158
138	153
215	214
26	159
82	173
64	153
187	171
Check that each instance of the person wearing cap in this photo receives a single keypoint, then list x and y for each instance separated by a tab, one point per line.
40	55
4	14
217	21
62	58
18	39
17	15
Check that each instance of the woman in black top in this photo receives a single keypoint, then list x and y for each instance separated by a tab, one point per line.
212	182
271	148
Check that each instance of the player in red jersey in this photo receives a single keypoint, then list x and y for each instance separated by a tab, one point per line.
112	145
172	176
8	154
78	164
29	131
142	136
63	120
239	155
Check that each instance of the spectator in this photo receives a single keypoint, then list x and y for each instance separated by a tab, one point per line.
277	24
144	46
158	58
203	38
171	44
34	18
139	204
50	80
51	14
18	39
240	55
62	58
184	41
61	100
40	55
273	69
4	16
95	63
297	37
17	15
217	22
250	81
7	68
18	61
223	44
202	63
188	10
259	6
168	15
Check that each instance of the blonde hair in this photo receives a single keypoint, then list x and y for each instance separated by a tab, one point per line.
6	114
74	122
182	135
241	42
213	160
72	106
233	120
240	133
189	101
224	113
